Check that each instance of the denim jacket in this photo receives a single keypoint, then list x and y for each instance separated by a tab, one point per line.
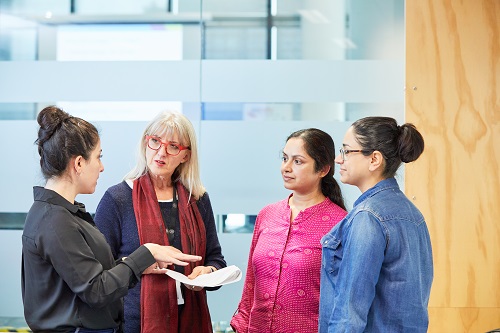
376	270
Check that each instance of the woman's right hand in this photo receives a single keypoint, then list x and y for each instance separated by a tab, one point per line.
154	269
169	255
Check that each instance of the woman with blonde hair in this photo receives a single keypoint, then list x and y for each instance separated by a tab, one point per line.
163	199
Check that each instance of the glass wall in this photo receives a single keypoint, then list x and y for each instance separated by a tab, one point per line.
246	72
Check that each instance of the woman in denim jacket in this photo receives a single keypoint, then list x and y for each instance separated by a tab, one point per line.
377	266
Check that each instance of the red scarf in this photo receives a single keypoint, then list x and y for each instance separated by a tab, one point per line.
159	309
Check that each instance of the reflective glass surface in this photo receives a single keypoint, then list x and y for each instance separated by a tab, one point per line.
247	73
243	61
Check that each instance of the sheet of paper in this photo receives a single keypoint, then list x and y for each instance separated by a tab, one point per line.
220	277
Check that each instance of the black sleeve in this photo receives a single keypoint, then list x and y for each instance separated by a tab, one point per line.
82	258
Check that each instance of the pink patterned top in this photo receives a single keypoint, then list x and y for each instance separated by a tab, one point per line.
281	291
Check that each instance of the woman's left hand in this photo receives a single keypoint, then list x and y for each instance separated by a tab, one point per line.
193	288
198	270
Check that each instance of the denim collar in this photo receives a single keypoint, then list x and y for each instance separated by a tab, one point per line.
380	186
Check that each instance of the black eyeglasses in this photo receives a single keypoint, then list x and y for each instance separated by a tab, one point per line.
172	148
345	152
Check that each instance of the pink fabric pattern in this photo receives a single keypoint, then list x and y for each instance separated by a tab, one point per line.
281	291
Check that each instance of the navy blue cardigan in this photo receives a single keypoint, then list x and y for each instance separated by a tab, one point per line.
115	218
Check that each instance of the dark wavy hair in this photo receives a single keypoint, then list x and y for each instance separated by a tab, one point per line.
320	146
398	144
62	137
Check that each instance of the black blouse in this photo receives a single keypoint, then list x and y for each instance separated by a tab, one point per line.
69	276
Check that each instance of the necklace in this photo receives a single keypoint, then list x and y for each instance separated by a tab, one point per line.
171	219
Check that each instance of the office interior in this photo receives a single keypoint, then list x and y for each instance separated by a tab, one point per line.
247	73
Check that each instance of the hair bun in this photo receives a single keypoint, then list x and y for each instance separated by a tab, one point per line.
411	143
50	119
61	137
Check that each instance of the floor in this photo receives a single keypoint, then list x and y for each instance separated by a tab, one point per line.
13	324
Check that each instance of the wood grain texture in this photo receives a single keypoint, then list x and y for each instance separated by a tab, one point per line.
453	97
456	320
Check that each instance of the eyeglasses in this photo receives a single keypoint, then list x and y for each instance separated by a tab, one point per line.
172	148
345	152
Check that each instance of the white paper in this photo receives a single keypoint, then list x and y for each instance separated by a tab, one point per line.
220	277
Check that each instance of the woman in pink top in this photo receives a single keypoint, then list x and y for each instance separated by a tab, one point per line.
281	291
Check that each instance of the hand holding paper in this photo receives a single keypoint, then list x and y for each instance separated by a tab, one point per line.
220	277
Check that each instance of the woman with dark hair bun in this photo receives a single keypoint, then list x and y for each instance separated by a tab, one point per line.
377	266
70	281
281	291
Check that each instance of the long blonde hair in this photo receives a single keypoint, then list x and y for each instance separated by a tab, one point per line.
188	173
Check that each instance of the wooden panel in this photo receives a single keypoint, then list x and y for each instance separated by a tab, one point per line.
457	320
453	97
